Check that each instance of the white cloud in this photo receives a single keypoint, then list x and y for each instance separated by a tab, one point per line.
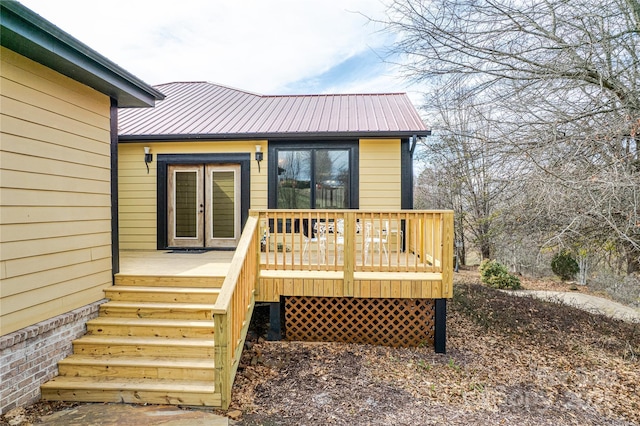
256	45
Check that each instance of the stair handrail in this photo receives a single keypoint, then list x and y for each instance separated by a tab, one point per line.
233	308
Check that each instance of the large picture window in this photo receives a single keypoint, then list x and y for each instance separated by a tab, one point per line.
305	177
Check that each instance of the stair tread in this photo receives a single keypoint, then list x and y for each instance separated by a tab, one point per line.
158	305
149	341
138	361
125	384
167	276
154	280
151	322
149	289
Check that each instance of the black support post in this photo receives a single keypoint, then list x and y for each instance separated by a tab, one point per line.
440	332
275	330
115	231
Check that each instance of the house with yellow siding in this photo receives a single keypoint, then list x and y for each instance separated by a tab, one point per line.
303	154
138	240
342	151
58	112
314	193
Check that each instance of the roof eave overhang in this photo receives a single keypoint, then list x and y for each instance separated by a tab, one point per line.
274	136
28	34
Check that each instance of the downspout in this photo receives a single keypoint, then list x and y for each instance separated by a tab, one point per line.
408	149
413	142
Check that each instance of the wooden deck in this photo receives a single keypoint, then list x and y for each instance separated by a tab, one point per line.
169	263
175	323
215	263
210	268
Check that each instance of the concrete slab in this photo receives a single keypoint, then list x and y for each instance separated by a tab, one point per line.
132	415
587	302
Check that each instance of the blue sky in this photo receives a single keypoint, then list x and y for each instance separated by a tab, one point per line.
266	47
359	73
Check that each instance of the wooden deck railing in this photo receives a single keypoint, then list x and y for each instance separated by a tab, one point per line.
354	240
234	307
346	241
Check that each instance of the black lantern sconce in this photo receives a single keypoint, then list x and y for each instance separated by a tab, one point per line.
259	156
148	157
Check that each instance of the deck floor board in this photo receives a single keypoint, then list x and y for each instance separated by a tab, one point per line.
164	263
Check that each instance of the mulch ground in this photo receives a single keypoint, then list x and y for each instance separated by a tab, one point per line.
509	360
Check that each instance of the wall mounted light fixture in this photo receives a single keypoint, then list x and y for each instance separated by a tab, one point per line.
258	156
148	157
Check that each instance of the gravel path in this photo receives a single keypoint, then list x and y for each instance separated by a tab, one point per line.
587	302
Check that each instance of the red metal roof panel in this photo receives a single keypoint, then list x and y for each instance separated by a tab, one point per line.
201	108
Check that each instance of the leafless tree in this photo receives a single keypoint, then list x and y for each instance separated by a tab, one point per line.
561	80
468	168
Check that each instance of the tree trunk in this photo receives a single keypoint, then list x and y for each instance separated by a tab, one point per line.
485	250
633	261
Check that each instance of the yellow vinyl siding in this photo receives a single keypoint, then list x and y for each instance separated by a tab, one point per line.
138	190
51	182
54	307
68	279
38	78
380	174
55	205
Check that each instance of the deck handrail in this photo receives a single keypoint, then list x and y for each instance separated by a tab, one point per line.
403	241
234	307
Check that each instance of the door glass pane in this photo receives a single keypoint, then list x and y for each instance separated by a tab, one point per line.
223	204
332	179
294	179
186	204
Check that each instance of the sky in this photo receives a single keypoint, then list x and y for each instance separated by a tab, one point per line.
269	47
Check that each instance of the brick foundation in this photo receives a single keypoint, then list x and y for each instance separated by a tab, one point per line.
29	357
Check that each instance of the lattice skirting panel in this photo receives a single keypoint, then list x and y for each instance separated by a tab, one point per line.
388	322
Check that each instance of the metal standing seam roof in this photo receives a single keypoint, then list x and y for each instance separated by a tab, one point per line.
199	110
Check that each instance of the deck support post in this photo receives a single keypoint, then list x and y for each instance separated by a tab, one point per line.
349	254
440	332
275	317
223	378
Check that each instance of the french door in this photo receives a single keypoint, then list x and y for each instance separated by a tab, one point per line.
203	205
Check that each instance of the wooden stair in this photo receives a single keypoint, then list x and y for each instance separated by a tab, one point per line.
153	342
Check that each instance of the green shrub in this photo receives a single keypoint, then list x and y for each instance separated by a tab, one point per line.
507	281
564	265
489	268
494	274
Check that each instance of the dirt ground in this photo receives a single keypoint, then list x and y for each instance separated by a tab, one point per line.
509	361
